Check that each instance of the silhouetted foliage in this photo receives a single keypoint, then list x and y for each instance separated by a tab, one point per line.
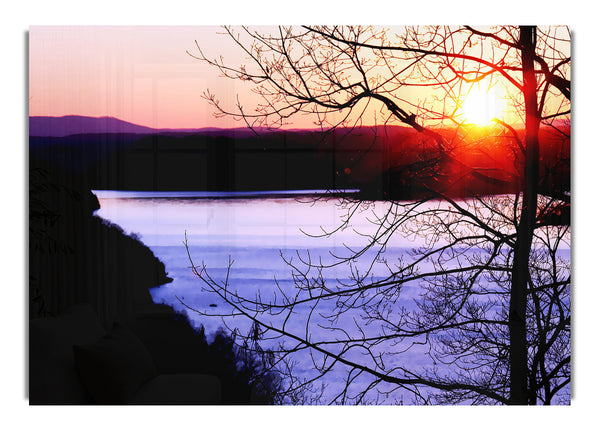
77	257
179	346
70	262
244	376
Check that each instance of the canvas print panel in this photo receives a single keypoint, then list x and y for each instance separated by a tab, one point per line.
300	215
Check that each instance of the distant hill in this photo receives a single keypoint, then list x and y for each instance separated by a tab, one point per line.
77	124
59	127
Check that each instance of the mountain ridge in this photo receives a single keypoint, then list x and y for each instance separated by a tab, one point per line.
67	125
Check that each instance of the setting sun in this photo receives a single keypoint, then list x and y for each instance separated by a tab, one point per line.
481	105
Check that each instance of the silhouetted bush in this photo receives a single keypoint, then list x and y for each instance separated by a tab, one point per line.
244	374
177	346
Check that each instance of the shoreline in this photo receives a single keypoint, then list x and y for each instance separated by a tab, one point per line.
218	195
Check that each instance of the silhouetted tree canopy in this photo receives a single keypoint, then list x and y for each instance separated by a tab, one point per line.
491	286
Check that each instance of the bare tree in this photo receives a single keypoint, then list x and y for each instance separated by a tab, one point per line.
492	316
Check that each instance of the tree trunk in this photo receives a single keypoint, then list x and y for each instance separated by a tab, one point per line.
517	325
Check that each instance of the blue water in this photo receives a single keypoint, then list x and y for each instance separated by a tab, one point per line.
258	232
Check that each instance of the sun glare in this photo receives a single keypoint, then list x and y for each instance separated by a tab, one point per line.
482	105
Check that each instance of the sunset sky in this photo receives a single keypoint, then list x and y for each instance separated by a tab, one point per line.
143	74
139	74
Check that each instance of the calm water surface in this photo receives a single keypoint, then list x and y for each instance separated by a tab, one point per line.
255	230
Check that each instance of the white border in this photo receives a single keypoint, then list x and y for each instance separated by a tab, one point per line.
15	21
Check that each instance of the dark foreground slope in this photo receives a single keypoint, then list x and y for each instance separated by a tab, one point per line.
78	257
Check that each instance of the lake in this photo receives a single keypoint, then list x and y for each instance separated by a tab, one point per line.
257	231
